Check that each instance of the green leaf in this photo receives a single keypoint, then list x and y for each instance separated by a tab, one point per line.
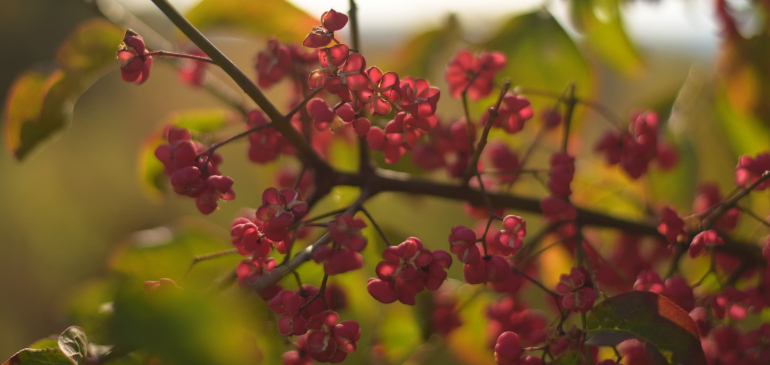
40	103
648	317
74	344
400	333
46	343
601	23
166	252
187	327
540	55
69	349
39	357
277	18
419	55
149	169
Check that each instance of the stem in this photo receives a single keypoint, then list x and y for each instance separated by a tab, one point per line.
321	294
729	203
215	146
180	55
603	110
283	125
753	215
303	103
468	122
117	14
472	167
209	256
539	284
376	226
570	102
271	278
322	216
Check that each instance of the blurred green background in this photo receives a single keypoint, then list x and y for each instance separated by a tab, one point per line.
68	206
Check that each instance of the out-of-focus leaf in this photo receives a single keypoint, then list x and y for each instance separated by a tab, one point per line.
185	327
419	55
601	23
554	261
149	169
651	318
399	332
90	305
540	55
744	67
40	103
745	133
69	349
39	357
277	18
675	186
570	358
166	252
74	344
466	343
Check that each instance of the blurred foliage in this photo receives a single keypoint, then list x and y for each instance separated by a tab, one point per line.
266	18
39	104
601	23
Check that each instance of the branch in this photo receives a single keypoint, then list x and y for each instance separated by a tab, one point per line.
570	102
472	167
385	181
179	55
213	148
269	279
304	150
729	203
117	14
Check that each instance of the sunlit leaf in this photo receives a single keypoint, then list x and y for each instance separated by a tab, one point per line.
648	317
166	252
675	186
150	169
277	18
69	349
186	327
39	357
746	134
419	55
46	343
399	332
40	103
469	343
74	344
601	23
540	55
744	67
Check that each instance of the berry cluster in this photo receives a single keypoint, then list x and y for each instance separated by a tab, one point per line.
193	171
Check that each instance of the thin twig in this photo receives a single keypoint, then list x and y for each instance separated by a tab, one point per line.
283	125
209	256
472	167
376	226
213	148
180	55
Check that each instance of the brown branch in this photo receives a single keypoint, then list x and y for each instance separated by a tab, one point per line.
729	203
283	125
180	55
472	167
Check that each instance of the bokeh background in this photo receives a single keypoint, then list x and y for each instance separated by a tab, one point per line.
68	207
